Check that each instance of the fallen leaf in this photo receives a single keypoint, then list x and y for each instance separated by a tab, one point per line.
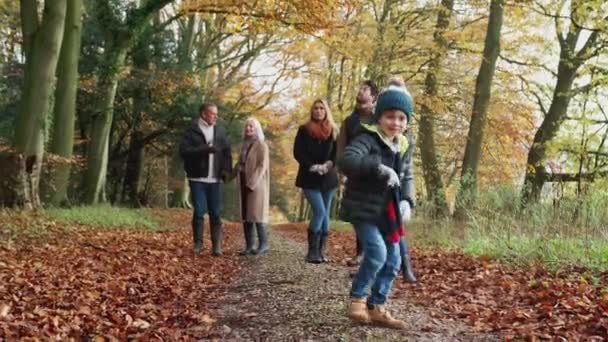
84	310
141	324
207	319
4	310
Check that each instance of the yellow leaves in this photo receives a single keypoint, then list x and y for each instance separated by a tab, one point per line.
605	296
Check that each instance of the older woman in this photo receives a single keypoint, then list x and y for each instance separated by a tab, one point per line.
254	187
315	150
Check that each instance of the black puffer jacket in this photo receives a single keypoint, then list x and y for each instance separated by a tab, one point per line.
195	152
309	151
367	194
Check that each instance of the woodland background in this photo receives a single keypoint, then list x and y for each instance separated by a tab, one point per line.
510	126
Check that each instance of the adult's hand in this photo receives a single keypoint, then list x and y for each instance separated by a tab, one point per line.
228	176
210	148
316	168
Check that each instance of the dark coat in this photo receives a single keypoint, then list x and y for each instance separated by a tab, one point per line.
194	150
367	194
308	152
350	128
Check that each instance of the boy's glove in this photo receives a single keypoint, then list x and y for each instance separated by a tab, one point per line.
406	211
390	174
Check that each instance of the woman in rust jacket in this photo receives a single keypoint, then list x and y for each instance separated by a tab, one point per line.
315	150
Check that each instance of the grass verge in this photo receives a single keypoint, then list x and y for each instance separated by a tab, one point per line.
105	216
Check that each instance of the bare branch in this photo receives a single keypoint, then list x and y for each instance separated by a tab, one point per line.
539	101
513	61
574	177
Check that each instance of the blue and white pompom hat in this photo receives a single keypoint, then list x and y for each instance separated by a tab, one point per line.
395	97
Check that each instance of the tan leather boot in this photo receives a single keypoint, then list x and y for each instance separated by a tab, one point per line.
357	310
379	316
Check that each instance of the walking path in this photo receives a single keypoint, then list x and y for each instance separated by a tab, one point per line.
279	297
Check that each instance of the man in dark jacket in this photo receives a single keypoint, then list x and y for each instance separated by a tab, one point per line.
363	113
205	149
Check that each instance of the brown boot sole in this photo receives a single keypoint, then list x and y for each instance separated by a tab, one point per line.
384	324
359	319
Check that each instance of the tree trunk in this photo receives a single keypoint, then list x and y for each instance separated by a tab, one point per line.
13	181
157	192
468	180
535	172
569	62
430	165
42	53
341	86
302	207
186	44
121	38
133	171
178	184
62	139
97	154
330	78
376	70
135	157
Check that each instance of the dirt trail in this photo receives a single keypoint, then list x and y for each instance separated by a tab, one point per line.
280	297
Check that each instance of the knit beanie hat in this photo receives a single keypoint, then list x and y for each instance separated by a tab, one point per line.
395	98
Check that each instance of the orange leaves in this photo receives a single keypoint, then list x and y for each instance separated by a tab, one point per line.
490	297
305	15
92	283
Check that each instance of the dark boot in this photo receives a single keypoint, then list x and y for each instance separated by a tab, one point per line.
408	271
322	246
406	264
357	259
197	238
248	232
216	239
313	255
262	239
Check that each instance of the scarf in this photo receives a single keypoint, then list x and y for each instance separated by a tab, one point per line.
396	228
320	130
247	143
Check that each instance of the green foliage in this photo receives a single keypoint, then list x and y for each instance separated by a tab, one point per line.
340	225
105	216
230	203
564	232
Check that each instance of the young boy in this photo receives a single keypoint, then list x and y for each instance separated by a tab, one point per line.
379	191
396	82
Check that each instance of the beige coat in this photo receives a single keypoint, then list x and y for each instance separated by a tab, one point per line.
257	173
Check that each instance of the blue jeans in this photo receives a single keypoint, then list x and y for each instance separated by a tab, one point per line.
205	196
380	265
320	202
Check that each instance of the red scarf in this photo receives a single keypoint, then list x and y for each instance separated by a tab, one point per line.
396	234
320	130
